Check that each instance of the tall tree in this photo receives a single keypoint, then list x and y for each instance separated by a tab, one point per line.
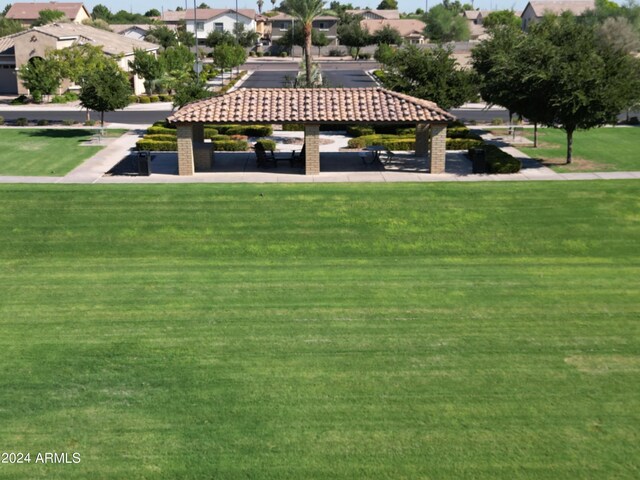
228	56
41	76
162	35
387	35
154	12
352	35
147	66
432	74
47	16
9	27
105	90
446	25
501	18
260	4
101	12
388	5
306	11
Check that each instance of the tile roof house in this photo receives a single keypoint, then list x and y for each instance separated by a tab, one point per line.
170	17
280	25
203	21
370	14
310	107
535	10
411	30
28	13
19	48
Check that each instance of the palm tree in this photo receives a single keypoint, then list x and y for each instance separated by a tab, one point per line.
306	11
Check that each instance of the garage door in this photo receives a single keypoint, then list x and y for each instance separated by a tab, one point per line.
8	80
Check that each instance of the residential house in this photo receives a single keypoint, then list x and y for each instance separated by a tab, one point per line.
535	10
369	14
170	17
206	20
28	13
137	31
474	20
19	48
281	24
411	30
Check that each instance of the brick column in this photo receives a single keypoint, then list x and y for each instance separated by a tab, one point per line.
437	147
185	149
312	149
422	140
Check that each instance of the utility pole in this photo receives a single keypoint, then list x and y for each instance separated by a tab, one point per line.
195	29
237	33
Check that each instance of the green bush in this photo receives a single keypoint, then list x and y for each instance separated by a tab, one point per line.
454	124
165	124
463	143
157	146
66	97
284	54
210	132
67	122
260	54
462	132
248	130
292	127
498	161
133	99
228	86
1	120
266	143
42	123
215	138
159	137
90	123
161	131
359	130
497	121
21	122
165	97
390	141
154	98
144	99
394	129
230	145
37	96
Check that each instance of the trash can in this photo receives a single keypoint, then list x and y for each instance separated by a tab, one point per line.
479	161
144	163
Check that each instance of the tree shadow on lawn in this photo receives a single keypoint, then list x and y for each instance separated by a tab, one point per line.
81	135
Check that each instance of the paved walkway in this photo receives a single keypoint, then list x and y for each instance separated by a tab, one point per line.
336	166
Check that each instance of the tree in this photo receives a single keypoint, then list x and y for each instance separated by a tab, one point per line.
246	38
154	12
227	56
101	12
9	27
432	74
352	35
162	35
501	18
296	37
6	9
99	23
619	34
446	25
177	59
147	66
105	90
41	76
387	35
388	5
217	38
306	11
384	53
203	5
190	91
47	16
580	81
77	61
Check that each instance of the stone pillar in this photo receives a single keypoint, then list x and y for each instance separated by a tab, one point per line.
312	149
437	147
185	149
422	140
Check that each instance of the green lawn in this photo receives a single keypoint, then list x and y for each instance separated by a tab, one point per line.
46	152
596	150
440	331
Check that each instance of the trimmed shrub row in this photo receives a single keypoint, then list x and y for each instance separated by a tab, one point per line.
266	143
230	145
248	130
498	161
463	143
359	130
157	146
161	131
390	141
228	86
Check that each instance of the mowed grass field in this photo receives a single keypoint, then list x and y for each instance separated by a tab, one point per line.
387	331
595	150
45	152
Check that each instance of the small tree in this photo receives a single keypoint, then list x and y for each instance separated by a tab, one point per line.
41	76
147	66
229	56
352	35
388	35
162	35
388	5
190	91
154	12
446	25
105	90
101	12
432	74
505	18
47	16
9	27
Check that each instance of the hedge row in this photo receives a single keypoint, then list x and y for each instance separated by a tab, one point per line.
230	145
463	143
161	131
248	130
161	137
157	146
267	144
398	142
228	86
501	162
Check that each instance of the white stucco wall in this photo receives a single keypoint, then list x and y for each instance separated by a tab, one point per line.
227	20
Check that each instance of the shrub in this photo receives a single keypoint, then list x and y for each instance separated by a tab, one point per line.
463	143
228	86
390	141
284	54
359	130
157	146
42	123
210	132
133	99
144	99
497	121
154	98
248	130
394	129
252	53
337	52
165	124
292	127
364	56
21	100
161	131
498	161
159	137
67	122
260	54
633	121
462	132
266	143
67	97
454	124
214	138
238	137
90	123
37	97
230	145
1	120
165	97
21	122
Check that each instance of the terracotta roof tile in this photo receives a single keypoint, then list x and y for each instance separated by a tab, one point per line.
311	105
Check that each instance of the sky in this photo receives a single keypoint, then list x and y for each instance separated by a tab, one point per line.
141	6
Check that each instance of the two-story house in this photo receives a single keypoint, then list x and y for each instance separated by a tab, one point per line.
206	20
281	24
535	10
27	13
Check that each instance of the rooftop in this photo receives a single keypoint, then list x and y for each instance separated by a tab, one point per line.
31	10
577	7
311	105
405	27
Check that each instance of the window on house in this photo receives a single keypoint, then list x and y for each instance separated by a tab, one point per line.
284	26
200	26
219	27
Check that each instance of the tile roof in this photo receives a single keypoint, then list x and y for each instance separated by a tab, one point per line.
111	42
31	10
577	7
405	26
388	14
171	16
311	105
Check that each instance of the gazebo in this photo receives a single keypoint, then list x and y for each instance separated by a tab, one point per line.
311	107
